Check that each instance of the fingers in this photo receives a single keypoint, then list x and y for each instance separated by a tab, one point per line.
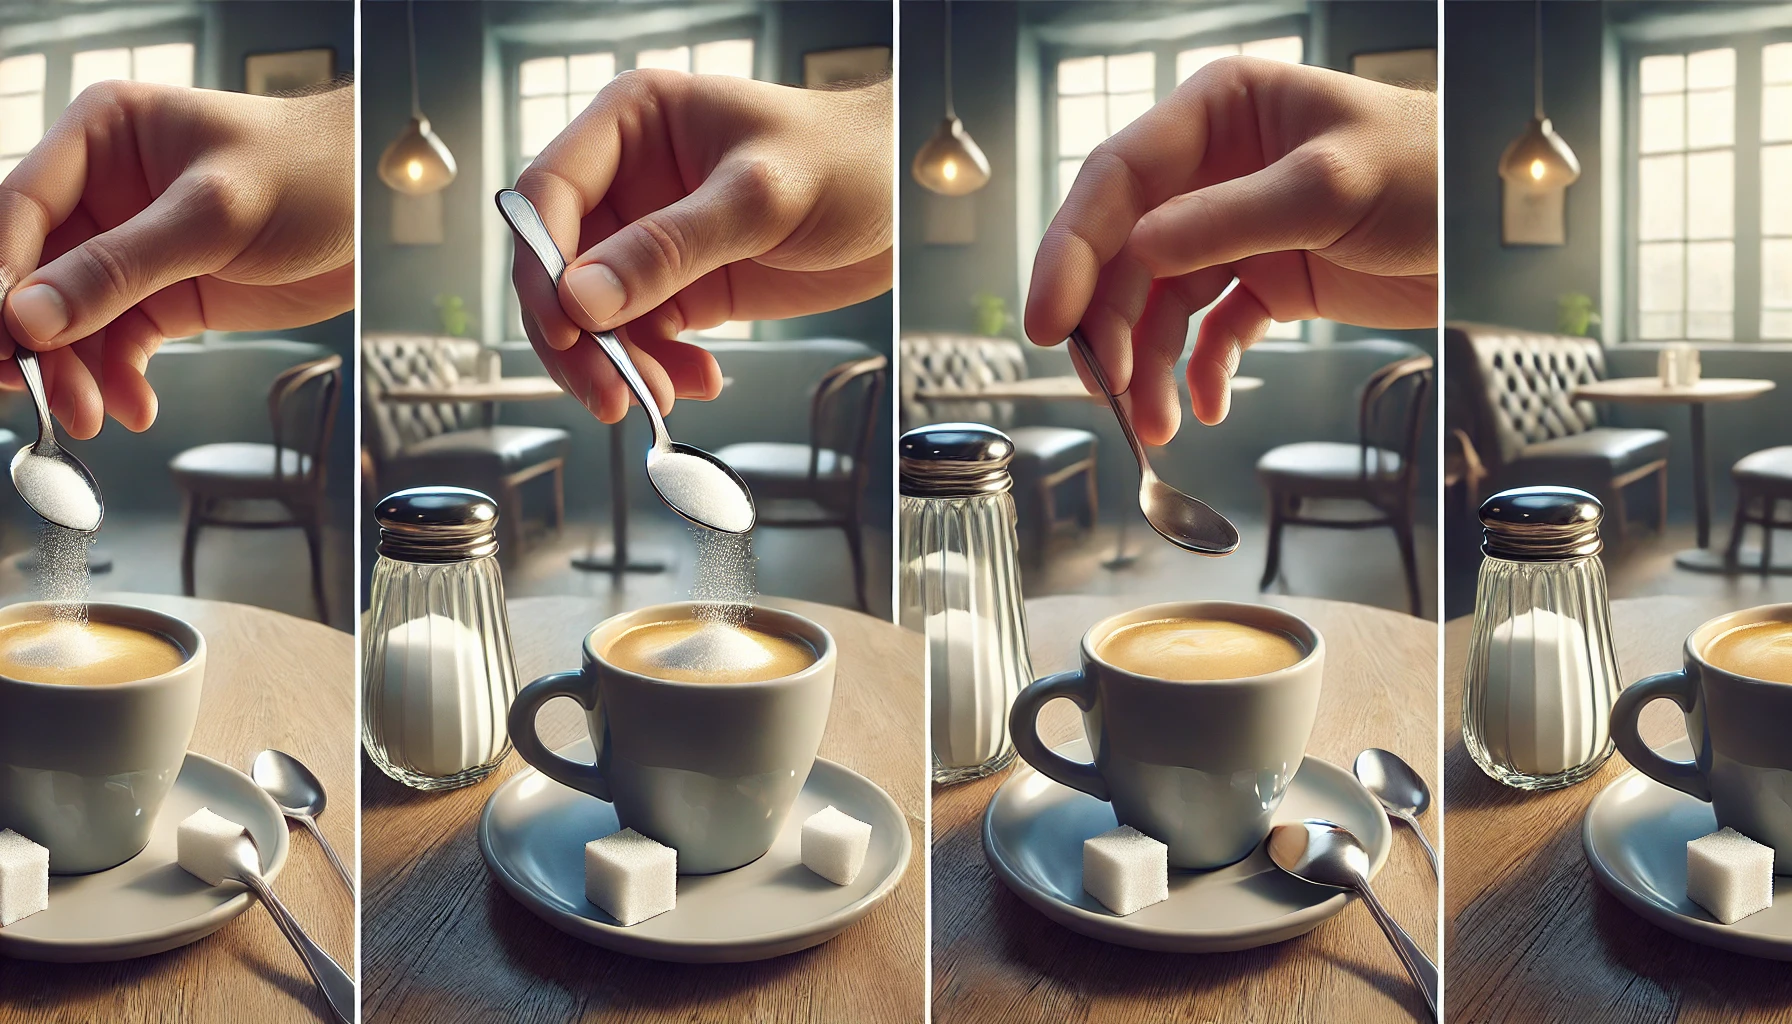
1158	343
1236	322
671	369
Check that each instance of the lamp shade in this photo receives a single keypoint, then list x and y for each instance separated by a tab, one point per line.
1539	159
950	163
416	163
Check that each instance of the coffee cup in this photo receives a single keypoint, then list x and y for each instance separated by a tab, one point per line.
708	768
1741	730
1198	765
85	767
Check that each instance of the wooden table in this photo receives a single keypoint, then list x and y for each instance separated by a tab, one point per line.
997	959
1650	391
271	680
1533	934
444	943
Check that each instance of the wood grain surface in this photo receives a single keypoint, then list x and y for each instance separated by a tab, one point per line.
271	680
1650	391
443	943
996	959
1534	936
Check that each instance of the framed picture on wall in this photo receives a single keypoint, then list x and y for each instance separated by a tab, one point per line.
273	74
1411	69
822	68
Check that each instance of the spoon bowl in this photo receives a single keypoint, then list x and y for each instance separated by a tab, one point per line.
701	487
1400	789
57	486
300	796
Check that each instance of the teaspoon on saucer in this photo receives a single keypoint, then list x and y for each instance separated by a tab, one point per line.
334	982
1399	789
299	795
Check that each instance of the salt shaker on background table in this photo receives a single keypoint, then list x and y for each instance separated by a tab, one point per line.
1542	669
961	589
438	673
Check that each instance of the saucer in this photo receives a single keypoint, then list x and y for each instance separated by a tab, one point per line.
149	904
1635	836
1033	836
534	830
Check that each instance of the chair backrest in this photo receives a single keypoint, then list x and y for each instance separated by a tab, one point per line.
1391	418
412	360
1519	386
843	414
957	362
302	404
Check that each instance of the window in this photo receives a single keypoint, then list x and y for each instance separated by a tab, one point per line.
161	64
1710	230
21	107
26	107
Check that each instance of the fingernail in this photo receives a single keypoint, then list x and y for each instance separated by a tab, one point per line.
41	312
597	290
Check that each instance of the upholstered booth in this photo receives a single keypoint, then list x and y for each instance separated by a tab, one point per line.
1523	426
1045	457
415	444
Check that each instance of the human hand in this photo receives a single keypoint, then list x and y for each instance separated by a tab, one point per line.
683	201
1314	190
152	212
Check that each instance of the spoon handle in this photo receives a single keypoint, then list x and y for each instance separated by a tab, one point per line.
1083	349
612	346
310	823
1413	822
338	988
1423	971
34	383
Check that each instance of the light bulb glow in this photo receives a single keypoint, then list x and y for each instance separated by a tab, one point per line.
1536	170
950	170
414	170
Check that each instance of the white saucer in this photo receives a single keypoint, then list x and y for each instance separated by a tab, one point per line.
149	904
534	830
1635	835
1033	836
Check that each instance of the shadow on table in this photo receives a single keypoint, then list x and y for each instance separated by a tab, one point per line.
1743	985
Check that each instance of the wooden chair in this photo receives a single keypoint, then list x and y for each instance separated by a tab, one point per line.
217	479
1381	468
822	484
1762	478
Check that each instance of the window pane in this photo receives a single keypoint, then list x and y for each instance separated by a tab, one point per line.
1123	110
92	66
676	59
7	164
166	64
1285	48
1082	124
1661	277
1067	172
1776	325
589	72
1776	113
576	104
1080	75
1663	73
1776	63
1710	188
542	118
1190	61
1132	72
1710	277
21	123
732	57
1660	325
1711	118
1776	273
541	76
1663	123
24	73
1711	69
1661	188
1710	326
1776	198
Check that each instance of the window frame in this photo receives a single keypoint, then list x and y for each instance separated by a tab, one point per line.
1746	209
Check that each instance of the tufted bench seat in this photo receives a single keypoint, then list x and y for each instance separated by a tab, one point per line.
1525	426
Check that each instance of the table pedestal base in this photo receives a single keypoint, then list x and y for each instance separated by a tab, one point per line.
1748	561
635	559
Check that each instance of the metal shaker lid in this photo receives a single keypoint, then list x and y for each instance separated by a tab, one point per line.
955	460
437	524
1541	524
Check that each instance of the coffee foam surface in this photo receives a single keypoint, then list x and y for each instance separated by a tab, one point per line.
1759	650
717	647
699	651
84	653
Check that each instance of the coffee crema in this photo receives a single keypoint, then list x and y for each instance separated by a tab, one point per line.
700	651
1758	650
1199	650
69	653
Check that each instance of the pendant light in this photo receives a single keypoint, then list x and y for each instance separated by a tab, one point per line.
1539	159
950	163
416	163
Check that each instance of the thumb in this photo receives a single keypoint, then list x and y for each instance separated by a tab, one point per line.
191	229
744	208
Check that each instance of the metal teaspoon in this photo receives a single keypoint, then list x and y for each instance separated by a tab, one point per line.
56	485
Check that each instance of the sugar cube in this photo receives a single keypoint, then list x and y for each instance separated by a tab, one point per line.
1729	875
834	844
24	877
630	876
1126	870
204	843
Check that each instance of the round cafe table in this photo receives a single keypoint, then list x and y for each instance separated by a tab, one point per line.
1651	391
997	959
442	941
271	680
1532	934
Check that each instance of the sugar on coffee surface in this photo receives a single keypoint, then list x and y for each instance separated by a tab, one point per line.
698	651
68	652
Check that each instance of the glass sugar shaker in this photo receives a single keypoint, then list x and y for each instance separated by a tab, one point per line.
1542	669
961	589
438	674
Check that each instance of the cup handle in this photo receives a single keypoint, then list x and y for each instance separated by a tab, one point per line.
578	775
1023	727
1681	775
